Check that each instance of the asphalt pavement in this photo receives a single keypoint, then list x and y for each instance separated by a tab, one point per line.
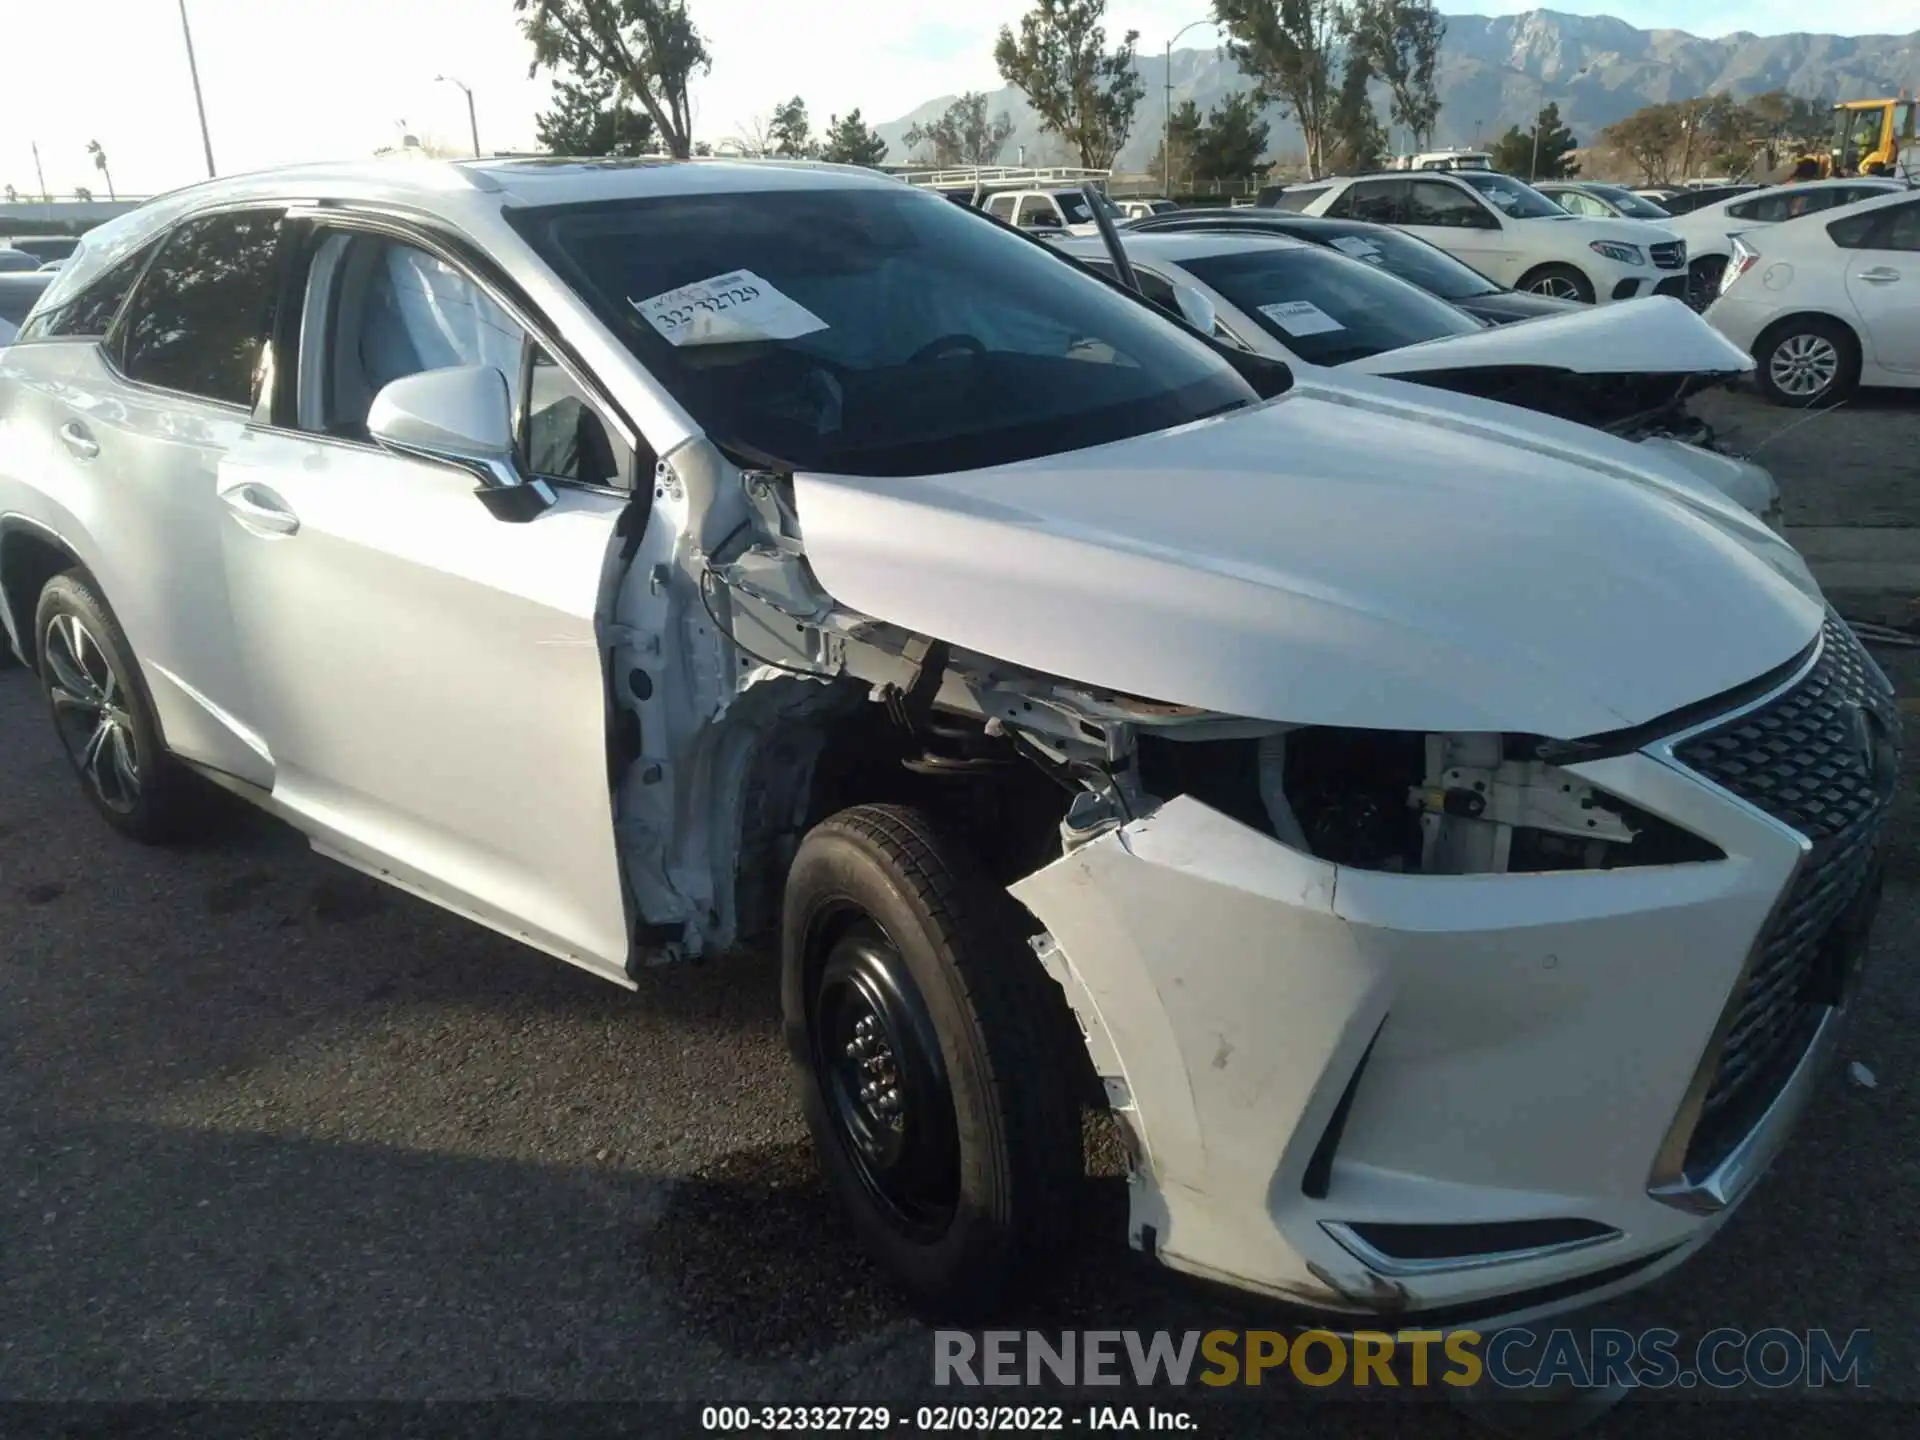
272	1131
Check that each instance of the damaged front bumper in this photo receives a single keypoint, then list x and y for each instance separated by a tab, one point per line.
1405	1096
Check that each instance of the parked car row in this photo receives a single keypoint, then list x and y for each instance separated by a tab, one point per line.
1441	834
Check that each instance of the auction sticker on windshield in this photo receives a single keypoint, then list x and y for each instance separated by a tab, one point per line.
1354	245
727	309
1301	317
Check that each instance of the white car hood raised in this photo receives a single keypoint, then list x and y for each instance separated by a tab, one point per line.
1655	336
1349	553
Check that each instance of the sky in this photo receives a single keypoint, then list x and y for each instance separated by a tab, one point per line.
294	80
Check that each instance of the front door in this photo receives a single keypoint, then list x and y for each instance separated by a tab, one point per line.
1883	282
430	678
1448	216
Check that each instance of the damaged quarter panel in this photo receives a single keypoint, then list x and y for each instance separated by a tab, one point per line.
1264	564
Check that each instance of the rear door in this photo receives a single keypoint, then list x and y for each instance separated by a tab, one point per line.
1883	282
138	425
431	678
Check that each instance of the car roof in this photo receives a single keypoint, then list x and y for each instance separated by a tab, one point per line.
459	192
1177	245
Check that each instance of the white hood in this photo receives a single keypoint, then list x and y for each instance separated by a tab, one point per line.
1625	232
1655	336
1356	552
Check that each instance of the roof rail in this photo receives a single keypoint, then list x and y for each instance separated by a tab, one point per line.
1002	176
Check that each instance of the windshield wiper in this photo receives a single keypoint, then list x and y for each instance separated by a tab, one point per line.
1223	409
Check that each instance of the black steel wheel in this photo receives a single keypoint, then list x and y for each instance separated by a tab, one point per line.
938	1065
878	1057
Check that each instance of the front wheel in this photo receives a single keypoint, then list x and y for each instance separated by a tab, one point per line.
928	1044
1562	282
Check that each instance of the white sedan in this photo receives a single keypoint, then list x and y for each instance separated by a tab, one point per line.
1709	231
1828	301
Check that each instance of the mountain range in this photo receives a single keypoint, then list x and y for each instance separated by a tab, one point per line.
1496	71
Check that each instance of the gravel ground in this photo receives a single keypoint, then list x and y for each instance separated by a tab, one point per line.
270	1131
1857	464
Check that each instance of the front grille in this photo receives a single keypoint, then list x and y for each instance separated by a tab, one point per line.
1669	254
1822	758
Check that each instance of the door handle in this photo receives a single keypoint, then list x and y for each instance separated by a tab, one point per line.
1880	275
80	444
260	510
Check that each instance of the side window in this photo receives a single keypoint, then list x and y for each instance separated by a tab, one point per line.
1039	211
89	315
1574	202
1433	202
1377	200
1158	289
396	310
1855	232
564	437
201	314
1297	199
1001	207
1745	210
1903	231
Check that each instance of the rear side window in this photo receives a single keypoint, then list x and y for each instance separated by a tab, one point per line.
1297	198
88	315
204	308
1376	200
1855	232
1902	231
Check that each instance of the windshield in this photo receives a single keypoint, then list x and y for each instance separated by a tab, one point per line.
1414	260
1324	308
1510	196
1628	203
875	331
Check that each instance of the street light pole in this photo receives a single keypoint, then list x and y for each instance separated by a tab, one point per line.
1533	167
1166	139
200	105
473	125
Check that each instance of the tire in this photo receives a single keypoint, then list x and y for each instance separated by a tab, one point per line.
1807	362
1562	282
927	1041
104	716
1703	280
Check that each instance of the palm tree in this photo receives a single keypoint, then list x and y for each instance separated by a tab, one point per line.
100	163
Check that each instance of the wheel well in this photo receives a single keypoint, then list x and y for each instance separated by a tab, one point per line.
1567	265
981	787
29	558
1765	337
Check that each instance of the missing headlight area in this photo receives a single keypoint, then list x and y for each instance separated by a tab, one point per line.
1417	804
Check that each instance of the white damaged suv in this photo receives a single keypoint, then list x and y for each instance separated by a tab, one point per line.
1443	846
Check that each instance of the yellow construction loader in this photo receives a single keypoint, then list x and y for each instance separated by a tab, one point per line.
1873	137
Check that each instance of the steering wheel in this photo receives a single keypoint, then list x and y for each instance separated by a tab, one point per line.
947	344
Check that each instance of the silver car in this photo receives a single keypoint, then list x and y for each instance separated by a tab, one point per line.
1442	838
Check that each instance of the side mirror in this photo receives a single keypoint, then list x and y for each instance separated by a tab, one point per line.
460	416
1196	308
